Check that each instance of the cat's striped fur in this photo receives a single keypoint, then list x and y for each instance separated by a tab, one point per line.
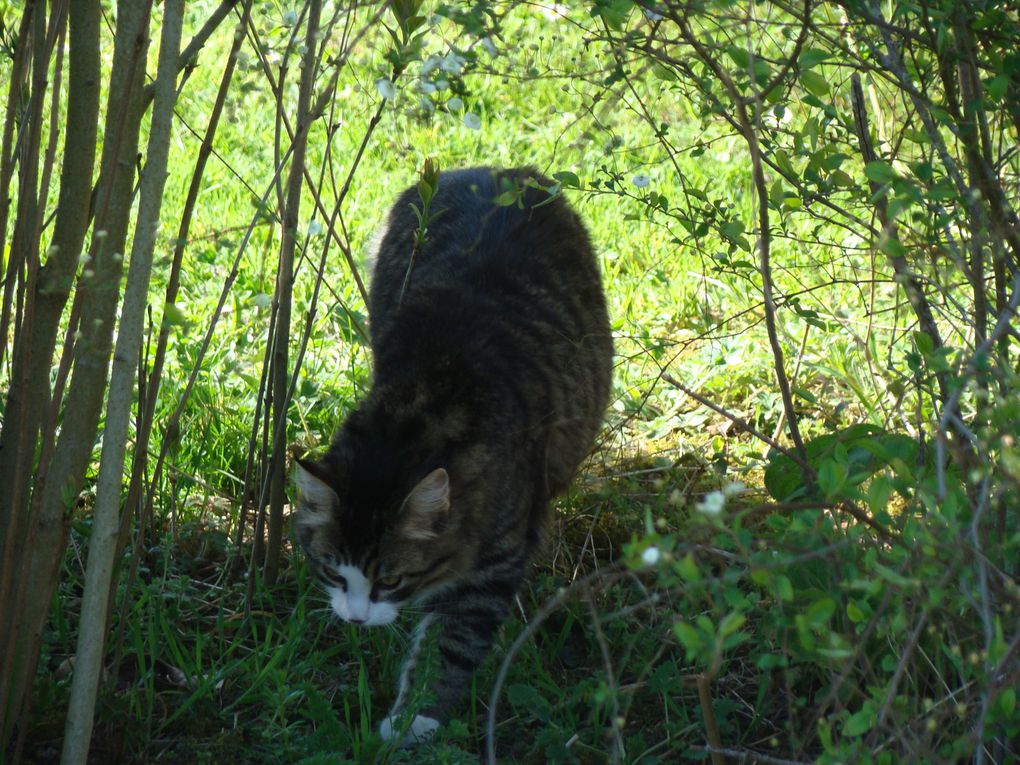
491	376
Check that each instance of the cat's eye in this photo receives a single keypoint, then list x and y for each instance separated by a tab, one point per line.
334	578
388	582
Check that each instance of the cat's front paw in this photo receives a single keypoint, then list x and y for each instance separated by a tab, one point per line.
422	729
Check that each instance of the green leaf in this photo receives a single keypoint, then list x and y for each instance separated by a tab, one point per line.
866	449
732	229
1007	702
924	343
731	623
783	587
568	178
893	577
740	56
174	317
878	494
689	637
819	612
880	172
860	722
810	57
687	568
832	476
613	12
814	83
841	178
772	661
661	72
997	86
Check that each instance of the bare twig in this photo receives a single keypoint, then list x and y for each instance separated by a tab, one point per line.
750	135
703	683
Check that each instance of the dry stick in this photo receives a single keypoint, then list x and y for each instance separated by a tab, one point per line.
616	722
59	31
610	574
152	385
904	656
26	308
173	422
738	421
764	239
711	726
23	260
103	546
274	484
21	425
1001	328
191	50
317	110
892	61
793	378
67	458
19	71
904	276
284	297
806	194
13	519
26	149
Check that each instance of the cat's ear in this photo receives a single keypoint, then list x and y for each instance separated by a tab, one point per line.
426	506
317	497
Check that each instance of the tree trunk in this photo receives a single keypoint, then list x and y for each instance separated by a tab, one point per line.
106	523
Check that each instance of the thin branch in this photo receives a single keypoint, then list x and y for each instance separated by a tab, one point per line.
764	235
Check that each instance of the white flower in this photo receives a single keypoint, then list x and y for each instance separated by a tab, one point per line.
290	18
385	88
472	121
453	64
490	46
712	504
314	227
431	63
651	556
733	488
454	104
652	15
641	180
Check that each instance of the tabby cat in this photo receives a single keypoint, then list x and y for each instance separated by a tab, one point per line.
491	376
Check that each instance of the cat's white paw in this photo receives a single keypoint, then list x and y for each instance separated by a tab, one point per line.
422	729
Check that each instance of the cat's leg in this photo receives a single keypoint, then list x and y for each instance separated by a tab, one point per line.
421	727
468	617
468	622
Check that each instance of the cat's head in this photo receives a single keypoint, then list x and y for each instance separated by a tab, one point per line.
374	553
